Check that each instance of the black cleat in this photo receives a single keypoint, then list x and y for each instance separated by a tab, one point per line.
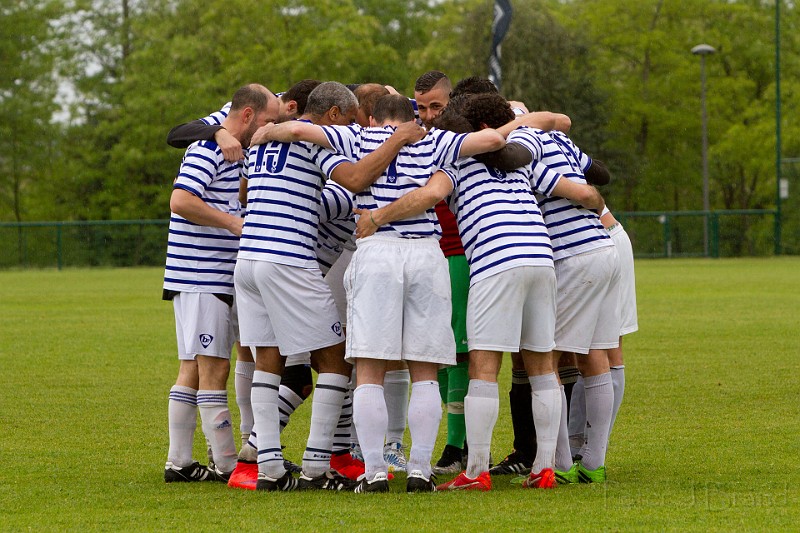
514	463
285	483
450	462
330	480
416	482
380	483
193	472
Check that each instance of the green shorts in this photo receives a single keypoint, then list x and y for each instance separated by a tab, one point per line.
459	287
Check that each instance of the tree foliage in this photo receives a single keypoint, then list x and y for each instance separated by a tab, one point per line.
622	69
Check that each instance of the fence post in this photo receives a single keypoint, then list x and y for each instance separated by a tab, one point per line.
715	235
58	246
667	233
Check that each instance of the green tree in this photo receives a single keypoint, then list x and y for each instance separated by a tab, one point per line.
27	103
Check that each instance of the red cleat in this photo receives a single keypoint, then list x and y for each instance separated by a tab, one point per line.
347	465
483	483
546	479
244	476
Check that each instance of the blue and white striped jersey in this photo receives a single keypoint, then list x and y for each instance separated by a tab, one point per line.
216	118
337	225
411	169
499	221
284	185
573	229
202	258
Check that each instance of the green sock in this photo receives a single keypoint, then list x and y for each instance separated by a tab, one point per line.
441	376
458	379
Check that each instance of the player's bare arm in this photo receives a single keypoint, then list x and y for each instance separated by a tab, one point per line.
231	148
195	210
290	132
580	193
356	177
413	203
479	142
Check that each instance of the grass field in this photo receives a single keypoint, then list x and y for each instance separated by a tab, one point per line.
708	437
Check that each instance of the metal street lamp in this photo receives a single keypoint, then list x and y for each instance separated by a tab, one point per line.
704	50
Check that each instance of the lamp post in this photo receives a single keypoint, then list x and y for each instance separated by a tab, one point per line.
704	50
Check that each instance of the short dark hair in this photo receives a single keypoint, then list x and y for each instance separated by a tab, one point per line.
299	93
368	94
253	95
449	119
474	85
490	109
393	107
431	79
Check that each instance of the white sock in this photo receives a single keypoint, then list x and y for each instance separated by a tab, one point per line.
341	437
216	419
546	405
243	383
370	419
599	404
264	398
325	410
424	416
288	402
182	416
618	382
577	417
395	392
481	406
563	451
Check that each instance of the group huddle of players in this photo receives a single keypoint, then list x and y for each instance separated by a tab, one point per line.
390	244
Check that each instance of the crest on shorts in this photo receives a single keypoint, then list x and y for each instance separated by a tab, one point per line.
205	339
337	328
271	159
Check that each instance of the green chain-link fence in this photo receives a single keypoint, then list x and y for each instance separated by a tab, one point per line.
144	242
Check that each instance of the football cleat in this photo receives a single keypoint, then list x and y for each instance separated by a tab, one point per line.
546	479
330	480
514	463
567	477
416	482
347	465
598	475
193	472
285	483
380	483
450	462
244	476
219	475
355	451
461	482
395	457
294	468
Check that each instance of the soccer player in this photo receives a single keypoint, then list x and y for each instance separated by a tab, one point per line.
297	381
512	289
628	324
588	322
203	241
286	307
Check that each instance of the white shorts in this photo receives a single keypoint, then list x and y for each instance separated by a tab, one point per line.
285	306
203	325
335	280
629	321
513	309
587	301
398	301
297	359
